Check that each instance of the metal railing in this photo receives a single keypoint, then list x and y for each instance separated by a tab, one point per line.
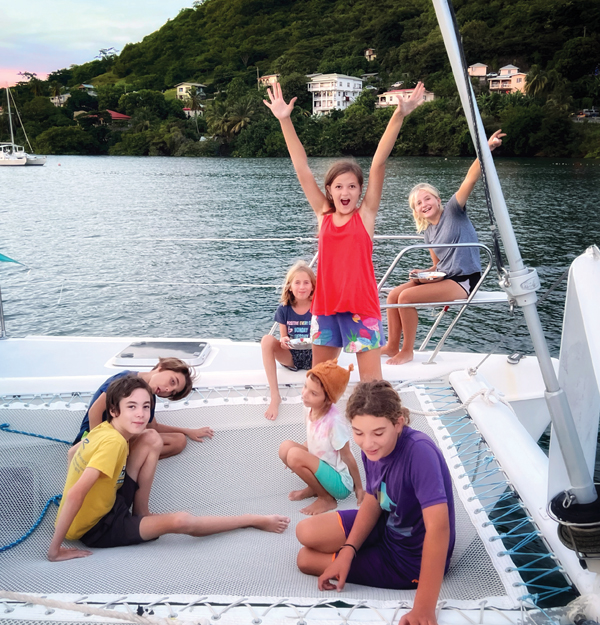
377	237
445	305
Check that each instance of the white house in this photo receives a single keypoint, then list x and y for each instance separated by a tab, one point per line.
333	91
59	100
183	89
392	98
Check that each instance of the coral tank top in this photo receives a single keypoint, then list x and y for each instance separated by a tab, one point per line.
345	276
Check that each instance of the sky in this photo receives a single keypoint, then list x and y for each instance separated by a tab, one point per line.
41	36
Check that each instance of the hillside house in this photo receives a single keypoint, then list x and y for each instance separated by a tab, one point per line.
60	100
509	80
189	113
370	54
478	70
183	89
268	80
333	91
392	98
89	89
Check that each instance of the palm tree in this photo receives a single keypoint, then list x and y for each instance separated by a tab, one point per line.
242	115
194	102
217	118
536	81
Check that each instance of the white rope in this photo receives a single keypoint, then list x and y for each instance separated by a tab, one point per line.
490	396
141	283
129	617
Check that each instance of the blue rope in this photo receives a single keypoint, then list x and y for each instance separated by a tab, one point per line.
27	534
5	427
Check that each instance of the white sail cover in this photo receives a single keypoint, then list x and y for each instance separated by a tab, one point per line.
579	368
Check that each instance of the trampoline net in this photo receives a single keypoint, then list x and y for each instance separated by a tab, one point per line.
238	471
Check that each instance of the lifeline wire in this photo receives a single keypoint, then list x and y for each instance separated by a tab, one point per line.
488	200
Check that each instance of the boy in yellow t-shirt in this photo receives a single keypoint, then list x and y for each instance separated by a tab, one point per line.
102	481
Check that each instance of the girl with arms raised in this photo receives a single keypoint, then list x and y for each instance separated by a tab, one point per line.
345	308
447	224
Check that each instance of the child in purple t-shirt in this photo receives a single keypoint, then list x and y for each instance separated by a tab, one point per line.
403	534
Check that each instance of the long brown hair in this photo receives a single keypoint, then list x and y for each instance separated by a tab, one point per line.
337	169
287	297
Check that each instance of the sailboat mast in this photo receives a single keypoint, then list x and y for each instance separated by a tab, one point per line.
12	137
521	282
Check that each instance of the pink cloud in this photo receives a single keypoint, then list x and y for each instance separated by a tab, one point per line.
11	76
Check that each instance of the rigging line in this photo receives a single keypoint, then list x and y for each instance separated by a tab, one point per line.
488	200
20	121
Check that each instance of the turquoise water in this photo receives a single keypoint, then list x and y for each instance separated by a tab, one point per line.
110	246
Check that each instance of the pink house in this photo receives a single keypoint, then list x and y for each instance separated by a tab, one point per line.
509	80
391	98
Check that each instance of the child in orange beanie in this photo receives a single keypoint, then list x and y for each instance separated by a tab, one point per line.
325	461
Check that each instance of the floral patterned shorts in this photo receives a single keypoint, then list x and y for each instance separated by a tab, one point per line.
348	330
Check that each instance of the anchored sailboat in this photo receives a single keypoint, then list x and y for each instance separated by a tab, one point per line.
12	154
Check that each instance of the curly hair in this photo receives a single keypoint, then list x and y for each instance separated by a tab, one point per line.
378	399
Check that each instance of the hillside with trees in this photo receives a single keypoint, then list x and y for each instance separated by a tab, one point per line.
224	44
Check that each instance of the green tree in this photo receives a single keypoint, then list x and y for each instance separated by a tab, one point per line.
65	140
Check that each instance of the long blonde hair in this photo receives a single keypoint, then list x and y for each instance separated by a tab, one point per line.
421	222
287	297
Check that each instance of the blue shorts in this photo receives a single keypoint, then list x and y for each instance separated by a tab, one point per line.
348	330
331	481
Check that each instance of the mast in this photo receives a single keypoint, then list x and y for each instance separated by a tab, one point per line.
521	282
12	137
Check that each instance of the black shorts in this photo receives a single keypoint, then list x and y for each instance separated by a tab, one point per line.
119	527
302	359
468	283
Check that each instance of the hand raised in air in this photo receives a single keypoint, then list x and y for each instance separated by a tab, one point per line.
406	107
277	104
495	140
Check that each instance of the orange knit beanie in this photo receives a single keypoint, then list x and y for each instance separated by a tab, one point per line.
333	378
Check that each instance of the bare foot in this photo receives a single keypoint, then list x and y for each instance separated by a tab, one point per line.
320	506
400	358
273	410
271	523
387	350
299	495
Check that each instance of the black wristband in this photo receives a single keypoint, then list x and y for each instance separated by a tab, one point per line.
353	547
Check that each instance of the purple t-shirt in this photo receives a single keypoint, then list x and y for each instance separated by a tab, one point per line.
298	326
413	477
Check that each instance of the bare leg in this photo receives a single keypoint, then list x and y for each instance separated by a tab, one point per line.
305	465
272	352
321	537
369	365
173	443
392	347
295	495
144	451
157	525
435	292
322	353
